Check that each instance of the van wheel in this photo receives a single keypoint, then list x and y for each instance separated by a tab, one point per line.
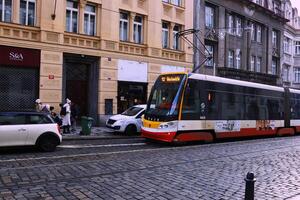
47	143
130	130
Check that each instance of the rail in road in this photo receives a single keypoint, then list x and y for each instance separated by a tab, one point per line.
125	169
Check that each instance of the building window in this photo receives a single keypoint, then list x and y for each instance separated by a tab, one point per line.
90	20
230	58
165	35
27	12
175	2
297	75
5	10
252	66
258	33
252	31
230	24
176	43
210	55
238	26
238	59
287	45
72	17
124	24
209	17
285	74
297	47
138	29
260	2
274	66
274	39
258	64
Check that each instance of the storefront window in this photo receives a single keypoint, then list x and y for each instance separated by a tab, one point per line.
27	12
5	10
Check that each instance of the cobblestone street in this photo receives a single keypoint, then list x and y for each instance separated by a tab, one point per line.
132	169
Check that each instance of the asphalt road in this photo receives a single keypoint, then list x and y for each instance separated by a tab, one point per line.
134	169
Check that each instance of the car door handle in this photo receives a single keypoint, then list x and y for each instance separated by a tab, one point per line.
22	129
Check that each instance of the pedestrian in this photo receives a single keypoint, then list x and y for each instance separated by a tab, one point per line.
74	115
40	107
54	116
66	119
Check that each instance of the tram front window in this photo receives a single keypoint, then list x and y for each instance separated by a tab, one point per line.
163	103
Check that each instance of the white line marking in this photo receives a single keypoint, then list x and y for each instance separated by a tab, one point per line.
97	146
93	154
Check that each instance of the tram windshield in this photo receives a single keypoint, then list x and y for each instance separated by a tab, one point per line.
163	103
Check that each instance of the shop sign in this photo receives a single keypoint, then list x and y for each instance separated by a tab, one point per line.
13	56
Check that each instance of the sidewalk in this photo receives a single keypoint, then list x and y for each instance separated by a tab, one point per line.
96	133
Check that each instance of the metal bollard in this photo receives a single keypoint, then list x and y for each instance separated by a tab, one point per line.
249	190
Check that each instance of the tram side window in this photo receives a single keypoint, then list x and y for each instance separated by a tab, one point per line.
275	109
252	108
213	109
191	101
295	111
232	106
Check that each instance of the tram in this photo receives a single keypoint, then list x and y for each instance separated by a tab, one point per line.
186	107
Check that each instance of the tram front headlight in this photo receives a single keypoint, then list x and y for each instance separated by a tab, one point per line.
167	125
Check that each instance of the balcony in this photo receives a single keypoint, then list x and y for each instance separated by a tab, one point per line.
247	75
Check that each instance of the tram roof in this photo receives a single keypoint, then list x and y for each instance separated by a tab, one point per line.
238	82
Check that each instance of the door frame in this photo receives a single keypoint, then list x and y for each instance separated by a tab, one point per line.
93	80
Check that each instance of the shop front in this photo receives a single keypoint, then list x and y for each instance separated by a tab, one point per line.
19	78
132	84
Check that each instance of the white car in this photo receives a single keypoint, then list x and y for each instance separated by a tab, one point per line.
29	129
129	122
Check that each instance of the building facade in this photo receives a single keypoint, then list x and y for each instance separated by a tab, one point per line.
244	39
104	55
291	46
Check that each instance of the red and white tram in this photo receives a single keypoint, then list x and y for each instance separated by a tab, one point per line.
193	107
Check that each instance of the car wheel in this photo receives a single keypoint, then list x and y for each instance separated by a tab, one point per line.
47	143
130	130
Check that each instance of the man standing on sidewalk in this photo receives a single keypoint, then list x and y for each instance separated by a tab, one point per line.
66	120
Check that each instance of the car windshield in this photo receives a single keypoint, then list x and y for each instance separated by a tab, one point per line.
163	103
132	111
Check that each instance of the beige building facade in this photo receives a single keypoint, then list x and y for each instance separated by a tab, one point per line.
102	54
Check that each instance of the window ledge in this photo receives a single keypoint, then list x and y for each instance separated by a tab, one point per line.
132	43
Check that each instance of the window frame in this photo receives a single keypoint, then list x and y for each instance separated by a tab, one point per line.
121	27
138	37
90	14
72	10
2	17
258	64
252	63
274	67
238	26
27	13
230	62
296	74
209	48
209	16
165	32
